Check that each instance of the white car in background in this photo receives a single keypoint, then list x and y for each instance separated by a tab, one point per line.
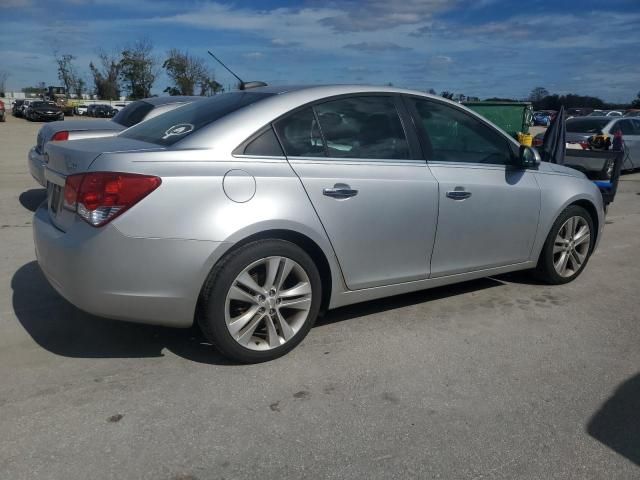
81	109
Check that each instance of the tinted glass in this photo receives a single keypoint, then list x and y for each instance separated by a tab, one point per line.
300	135
625	126
456	136
362	127
133	113
586	125
173	126
266	145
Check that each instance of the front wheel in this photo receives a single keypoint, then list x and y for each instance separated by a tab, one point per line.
568	246
260	301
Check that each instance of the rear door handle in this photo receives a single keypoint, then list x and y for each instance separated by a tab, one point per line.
458	194
340	190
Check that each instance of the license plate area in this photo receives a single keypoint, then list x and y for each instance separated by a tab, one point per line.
54	196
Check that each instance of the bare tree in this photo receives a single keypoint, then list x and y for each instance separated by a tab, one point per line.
4	75
106	76
538	93
138	68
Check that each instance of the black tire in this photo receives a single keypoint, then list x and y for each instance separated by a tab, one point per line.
545	270
212	302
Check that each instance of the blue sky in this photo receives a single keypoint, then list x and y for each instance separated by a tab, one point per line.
477	47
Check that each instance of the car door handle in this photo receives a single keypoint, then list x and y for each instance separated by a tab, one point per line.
340	190
458	194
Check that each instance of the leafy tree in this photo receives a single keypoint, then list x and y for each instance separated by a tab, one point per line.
209	86
186	72
431	91
447	94
106	76
138	69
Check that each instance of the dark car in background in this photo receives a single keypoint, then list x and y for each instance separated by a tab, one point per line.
16	108
104	111
2	111
41	111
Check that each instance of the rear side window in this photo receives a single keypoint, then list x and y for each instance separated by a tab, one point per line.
265	145
133	113
625	126
173	126
456	136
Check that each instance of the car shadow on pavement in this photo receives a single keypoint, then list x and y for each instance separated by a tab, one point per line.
31	199
617	423
61	328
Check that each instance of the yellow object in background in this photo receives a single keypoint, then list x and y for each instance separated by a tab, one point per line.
525	139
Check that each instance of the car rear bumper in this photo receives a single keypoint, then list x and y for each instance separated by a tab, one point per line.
105	273
36	166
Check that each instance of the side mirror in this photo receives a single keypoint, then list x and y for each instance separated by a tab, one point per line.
529	157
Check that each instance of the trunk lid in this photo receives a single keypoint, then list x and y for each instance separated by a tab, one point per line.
68	158
81	128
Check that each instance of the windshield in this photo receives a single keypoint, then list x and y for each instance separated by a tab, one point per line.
586	125
170	127
43	104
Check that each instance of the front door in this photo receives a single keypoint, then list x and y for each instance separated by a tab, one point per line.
488	209
377	202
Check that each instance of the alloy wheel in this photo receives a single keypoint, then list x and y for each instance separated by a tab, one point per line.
571	246
268	303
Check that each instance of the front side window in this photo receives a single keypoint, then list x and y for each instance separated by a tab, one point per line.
456	136
362	127
300	135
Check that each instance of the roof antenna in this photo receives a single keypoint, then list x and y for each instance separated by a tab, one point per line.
242	85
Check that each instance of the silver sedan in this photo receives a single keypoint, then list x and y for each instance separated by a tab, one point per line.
251	212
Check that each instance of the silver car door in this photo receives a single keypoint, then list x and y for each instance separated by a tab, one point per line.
378	203
488	209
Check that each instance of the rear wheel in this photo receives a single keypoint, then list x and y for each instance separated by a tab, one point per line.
568	246
260	301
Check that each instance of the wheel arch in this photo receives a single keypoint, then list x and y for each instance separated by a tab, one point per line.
593	212
303	241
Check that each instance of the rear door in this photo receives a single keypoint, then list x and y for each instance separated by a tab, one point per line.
375	197
488	209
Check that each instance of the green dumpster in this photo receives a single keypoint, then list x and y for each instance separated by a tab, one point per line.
512	117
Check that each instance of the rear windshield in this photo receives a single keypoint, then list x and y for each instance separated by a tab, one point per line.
43	104
132	114
586	125
170	127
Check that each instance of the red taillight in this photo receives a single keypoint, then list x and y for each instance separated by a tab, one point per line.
101	196
60	136
537	142
584	144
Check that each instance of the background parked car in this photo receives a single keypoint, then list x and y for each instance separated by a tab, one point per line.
43	111
632	113
132	114
104	111
81	109
541	119
581	129
118	106
605	113
16	107
2	111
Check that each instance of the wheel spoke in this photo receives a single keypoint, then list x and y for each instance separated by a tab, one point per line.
298	290
286	270
238	323
302	303
245	336
585	237
559	245
575	261
236	293
272	334
247	281
561	264
272	267
285	328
